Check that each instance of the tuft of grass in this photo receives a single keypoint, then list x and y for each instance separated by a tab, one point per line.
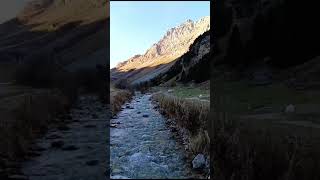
117	98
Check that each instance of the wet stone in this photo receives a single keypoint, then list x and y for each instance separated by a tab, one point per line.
18	177
57	144
92	162
70	148
64	128
53	136
199	161
90	126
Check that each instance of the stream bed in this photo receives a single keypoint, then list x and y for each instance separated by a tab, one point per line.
143	147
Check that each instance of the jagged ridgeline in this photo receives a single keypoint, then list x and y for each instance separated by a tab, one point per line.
183	48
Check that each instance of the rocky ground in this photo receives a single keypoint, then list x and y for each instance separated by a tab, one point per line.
77	150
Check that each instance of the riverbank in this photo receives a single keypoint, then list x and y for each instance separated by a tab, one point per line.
188	118
26	114
75	149
271	130
143	146
117	98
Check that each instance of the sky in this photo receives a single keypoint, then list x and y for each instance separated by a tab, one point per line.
10	8
136	26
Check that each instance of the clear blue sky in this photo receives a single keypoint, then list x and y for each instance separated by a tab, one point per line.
135	26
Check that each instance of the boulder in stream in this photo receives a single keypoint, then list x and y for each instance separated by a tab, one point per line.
199	162
290	109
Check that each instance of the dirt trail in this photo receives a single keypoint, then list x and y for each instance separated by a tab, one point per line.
76	151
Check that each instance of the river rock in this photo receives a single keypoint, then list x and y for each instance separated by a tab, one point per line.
94	116
70	148
119	177
90	126
57	144
290	109
199	161
18	177
92	162
53	136
64	128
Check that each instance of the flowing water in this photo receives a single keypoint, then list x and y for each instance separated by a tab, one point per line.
82	151
142	146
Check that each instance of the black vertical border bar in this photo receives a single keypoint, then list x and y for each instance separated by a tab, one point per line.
211	118
107	173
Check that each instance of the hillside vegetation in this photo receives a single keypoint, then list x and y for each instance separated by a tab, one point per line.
266	91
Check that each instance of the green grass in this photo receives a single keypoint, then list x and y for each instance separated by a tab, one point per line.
240	97
183	91
187	92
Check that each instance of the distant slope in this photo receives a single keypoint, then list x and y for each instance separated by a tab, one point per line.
161	56
68	31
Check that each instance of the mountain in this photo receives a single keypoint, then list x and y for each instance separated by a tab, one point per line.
161	55
71	32
194	65
254	34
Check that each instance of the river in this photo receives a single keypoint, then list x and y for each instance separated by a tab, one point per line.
142	146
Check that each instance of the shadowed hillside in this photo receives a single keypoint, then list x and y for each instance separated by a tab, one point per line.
52	55
265	79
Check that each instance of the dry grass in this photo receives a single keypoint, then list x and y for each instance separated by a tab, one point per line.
25	117
189	114
248	149
117	98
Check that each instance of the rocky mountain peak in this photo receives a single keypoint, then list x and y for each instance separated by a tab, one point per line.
174	43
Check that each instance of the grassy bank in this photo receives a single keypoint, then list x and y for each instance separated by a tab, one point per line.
117	98
34	96
255	139
190	117
25	117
